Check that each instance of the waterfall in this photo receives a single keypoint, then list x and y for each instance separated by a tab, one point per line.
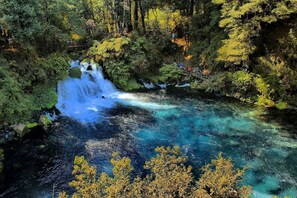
83	98
162	86
148	85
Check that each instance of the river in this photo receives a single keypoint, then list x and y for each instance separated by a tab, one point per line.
96	120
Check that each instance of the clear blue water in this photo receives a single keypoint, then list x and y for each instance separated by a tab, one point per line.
136	124
203	128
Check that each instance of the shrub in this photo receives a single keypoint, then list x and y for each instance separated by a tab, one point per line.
221	179
170	74
44	97
126	59
281	105
15	105
262	87
265	102
29	86
167	176
219	82
242	80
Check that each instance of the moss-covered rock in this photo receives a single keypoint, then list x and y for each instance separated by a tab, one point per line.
31	125
44	120
75	72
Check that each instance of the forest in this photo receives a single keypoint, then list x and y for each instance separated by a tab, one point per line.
241	49
244	50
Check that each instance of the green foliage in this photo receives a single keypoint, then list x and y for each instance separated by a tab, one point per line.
281	105
113	48
264	102
216	83
31	125
22	19
206	36
167	176
14	104
113	53
29	86
170	74
126	59
262	87
44	97
261	37
164	19
241	85
132	85
243	22
243	80
55	66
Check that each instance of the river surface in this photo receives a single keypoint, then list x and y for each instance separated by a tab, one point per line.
96	120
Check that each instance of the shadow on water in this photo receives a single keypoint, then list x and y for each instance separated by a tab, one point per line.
42	163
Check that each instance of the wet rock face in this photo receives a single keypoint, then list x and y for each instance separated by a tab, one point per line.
21	130
6	133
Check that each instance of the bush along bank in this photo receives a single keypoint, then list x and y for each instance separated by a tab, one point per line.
128	60
251	54
136	63
27	89
247	87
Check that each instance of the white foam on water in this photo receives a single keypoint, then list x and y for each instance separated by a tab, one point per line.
83	98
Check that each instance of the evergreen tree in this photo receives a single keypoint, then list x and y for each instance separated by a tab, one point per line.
243	21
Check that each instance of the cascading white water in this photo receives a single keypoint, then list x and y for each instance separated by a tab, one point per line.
83	99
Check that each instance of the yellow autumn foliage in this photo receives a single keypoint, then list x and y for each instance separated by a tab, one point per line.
168	176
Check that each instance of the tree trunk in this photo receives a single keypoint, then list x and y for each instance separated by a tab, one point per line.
136	15
142	17
130	26
192	4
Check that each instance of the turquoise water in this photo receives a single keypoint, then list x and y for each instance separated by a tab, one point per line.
201	125
203	128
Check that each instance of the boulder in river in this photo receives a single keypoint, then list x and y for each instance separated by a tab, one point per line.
75	72
21	130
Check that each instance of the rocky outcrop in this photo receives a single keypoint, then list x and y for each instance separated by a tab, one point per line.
21	130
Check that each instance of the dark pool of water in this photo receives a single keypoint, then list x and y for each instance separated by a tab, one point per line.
203	126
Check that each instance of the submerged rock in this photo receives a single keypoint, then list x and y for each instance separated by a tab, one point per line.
234	143
21	130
